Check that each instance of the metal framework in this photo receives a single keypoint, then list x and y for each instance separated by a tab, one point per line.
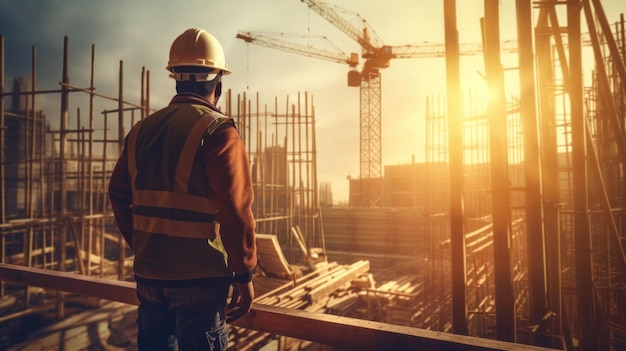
518	228
377	56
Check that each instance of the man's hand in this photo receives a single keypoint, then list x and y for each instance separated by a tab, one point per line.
239	306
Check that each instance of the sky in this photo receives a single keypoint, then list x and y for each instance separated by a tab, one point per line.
140	32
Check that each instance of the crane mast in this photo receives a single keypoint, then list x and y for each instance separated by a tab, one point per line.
377	56
369	81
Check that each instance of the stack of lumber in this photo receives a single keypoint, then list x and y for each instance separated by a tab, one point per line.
398	299
343	304
329	285
313	288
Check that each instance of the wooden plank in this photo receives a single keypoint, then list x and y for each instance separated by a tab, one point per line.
298	236
19	259
355	270
356	334
103	288
271	257
338	331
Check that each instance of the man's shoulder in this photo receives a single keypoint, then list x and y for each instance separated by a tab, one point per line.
220	123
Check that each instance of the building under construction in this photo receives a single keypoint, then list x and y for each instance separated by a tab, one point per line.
511	230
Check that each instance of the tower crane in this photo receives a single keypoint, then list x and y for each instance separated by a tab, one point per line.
377	56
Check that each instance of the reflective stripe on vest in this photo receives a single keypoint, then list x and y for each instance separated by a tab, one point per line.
167	212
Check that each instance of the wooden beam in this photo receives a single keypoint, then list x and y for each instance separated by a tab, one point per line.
338	331
108	289
356	334
356	269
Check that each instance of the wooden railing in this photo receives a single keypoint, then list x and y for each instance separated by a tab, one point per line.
343	332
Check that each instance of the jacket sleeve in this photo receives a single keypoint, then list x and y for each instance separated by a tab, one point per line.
230	187
120	196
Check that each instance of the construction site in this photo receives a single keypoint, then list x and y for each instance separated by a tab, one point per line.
512	230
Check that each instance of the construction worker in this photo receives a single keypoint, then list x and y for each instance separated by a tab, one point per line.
181	193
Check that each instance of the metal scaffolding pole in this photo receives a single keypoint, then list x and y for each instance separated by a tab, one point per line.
500	197
90	163
549	166
456	147
582	239
120	146
534	210
62	171
2	159
2	142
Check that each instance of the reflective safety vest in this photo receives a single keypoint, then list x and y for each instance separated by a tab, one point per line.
169	189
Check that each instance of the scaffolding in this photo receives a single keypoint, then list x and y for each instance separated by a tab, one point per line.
54	205
513	229
569	298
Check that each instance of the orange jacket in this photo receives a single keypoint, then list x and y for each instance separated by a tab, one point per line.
182	196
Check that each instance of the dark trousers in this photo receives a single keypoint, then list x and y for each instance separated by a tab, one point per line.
195	316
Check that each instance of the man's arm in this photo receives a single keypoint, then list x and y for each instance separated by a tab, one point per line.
120	195
230	184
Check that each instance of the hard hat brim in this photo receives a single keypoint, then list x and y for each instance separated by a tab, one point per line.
198	77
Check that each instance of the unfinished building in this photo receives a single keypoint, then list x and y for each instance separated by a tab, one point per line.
514	234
